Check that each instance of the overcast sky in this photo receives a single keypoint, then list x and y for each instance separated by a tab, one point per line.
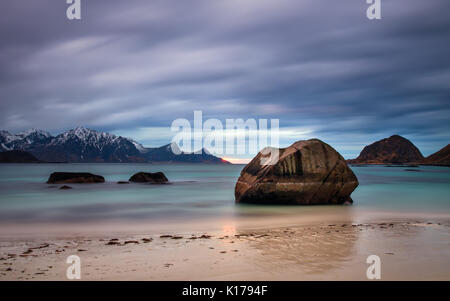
320	66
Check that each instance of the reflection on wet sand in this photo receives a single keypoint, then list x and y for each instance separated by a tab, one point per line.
311	249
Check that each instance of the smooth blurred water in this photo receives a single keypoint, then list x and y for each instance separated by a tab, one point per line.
196	190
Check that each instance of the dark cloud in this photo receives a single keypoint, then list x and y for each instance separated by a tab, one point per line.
320	65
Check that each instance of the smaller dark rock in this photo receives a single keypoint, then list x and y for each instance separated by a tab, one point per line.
205	236
41	246
65	187
112	243
146	177
74	177
131	242
123	182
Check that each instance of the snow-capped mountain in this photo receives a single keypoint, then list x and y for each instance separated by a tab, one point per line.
76	145
34	134
92	138
21	140
82	145
6	138
86	145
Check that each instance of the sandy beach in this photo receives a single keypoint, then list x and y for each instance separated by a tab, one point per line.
409	249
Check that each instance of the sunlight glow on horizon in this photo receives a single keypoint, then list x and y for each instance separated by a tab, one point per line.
237	160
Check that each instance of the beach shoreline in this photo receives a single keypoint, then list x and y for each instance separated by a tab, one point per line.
410	249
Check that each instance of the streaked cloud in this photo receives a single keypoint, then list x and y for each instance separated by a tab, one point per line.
132	67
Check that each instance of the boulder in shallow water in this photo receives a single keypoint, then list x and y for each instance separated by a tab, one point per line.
148	177
74	177
308	172
65	187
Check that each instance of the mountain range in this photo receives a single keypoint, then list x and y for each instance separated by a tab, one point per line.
82	145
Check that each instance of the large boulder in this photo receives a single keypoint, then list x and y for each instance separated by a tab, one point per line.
307	172
148	177
74	177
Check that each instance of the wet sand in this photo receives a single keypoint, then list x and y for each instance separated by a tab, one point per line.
410	249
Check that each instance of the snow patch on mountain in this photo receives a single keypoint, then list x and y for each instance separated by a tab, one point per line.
138	146
34	132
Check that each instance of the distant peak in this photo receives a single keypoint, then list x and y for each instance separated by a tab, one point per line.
173	147
82	129
81	132
34	131
395	149
396	137
5	133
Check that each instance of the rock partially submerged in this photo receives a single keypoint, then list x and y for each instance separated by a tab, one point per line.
65	187
147	177
74	177
307	172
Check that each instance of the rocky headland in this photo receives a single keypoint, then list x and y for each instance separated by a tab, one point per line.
392	150
440	158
